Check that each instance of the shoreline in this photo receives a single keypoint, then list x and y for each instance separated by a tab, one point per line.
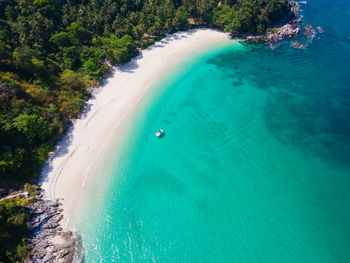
83	146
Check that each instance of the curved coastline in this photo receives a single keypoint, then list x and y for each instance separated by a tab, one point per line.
86	142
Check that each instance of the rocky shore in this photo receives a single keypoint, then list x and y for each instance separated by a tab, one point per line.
290	29
49	243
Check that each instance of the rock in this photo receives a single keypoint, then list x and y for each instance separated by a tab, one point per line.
309	31
296	44
51	226
39	211
59	218
67	258
255	39
45	225
289	30
294	7
49	258
44	244
56	204
320	30
64	253
67	235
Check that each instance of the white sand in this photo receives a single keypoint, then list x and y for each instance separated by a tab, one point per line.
84	145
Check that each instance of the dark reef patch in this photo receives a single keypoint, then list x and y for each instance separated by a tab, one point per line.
308	103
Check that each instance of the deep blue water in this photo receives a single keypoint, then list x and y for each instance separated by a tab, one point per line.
254	165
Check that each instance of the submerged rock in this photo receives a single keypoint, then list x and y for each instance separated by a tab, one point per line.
255	40
296	44
320	30
309	31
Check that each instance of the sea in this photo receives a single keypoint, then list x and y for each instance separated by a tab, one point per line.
254	164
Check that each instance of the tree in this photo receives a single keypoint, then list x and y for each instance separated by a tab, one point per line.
77	34
11	162
181	17
33	127
22	60
69	80
222	16
90	67
71	57
61	39
119	50
39	69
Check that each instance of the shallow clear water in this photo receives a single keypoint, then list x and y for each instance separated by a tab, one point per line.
254	165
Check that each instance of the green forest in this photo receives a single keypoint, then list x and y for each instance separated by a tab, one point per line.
53	52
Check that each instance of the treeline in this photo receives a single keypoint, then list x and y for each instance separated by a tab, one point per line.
53	51
249	16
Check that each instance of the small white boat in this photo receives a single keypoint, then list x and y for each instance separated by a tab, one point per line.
159	133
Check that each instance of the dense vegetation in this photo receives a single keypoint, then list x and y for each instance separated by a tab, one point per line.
14	216
13	230
249	16
53	51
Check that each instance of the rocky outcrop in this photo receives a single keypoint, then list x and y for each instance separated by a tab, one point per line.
255	40
294	7
49	243
290	29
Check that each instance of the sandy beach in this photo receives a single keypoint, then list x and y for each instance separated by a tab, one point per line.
85	143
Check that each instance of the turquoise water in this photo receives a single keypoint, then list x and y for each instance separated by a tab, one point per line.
254	165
